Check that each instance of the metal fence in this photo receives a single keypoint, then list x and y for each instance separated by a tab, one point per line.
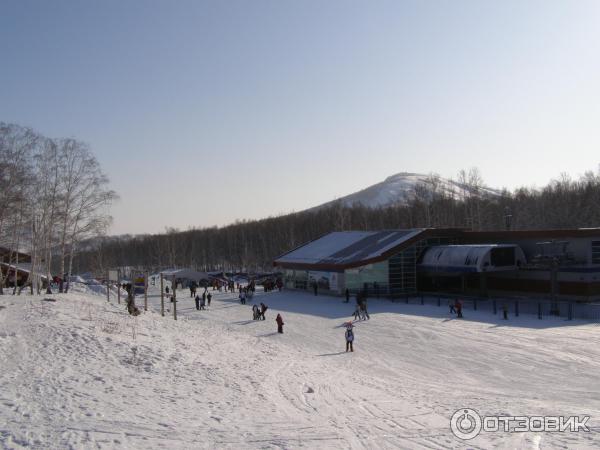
514	306
541	308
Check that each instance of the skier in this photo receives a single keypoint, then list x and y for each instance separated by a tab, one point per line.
203	302
280	324
209	298
349	337
363	308
505	311
315	287
458	307
263	310
204	298
242	297
451	306
197	302
255	313
347	295
357	313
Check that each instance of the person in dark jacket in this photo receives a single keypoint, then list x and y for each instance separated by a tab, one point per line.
197	302
209	298
357	315
280	323
347	296
363	310
263	310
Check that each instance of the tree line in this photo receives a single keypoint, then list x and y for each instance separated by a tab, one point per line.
252	245
53	196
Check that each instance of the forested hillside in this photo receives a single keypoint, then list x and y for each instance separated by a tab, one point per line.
252	245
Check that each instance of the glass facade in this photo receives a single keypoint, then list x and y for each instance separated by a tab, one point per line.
403	266
371	273
403	272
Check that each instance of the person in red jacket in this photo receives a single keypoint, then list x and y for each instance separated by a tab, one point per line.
458	307
279	321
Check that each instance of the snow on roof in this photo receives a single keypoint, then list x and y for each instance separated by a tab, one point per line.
346	247
185	273
21	267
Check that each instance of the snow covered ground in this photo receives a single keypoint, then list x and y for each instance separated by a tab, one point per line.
80	373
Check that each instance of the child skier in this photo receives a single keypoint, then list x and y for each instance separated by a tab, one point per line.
349	337
280	323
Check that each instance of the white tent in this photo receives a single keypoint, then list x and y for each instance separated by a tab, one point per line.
184	274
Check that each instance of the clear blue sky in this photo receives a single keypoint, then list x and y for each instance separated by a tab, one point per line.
207	112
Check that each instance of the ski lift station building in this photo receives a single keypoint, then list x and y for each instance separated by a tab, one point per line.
447	260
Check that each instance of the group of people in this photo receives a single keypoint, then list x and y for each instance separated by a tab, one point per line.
246	294
258	312
219	285
270	285
202	302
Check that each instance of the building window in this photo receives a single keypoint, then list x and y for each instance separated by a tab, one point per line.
595	252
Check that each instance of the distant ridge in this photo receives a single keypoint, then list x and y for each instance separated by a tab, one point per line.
400	188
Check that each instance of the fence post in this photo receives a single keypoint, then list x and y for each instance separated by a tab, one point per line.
174	289
516	308
162	296
570	310
108	286
540	310
146	291
494	306
119	286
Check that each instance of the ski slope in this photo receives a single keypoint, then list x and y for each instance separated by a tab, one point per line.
80	373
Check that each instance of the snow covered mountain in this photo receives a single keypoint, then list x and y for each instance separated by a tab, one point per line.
400	188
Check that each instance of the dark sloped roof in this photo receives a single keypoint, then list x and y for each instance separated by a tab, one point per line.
343	249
